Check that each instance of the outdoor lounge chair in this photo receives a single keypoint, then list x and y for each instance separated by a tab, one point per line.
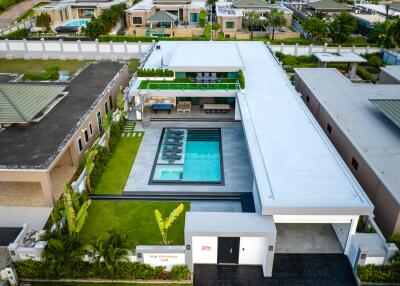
213	77
207	77
178	143
179	132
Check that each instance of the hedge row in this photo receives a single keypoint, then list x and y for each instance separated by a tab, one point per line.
29	269
154	73
52	73
18	34
379	273
108	38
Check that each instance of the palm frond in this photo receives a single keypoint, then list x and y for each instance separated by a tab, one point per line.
174	215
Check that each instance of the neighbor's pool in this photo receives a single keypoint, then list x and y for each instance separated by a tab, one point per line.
189	156
77	23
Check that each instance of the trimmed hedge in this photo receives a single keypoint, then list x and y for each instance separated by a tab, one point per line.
365	75
379	273
18	34
29	269
119	38
242	81
154	73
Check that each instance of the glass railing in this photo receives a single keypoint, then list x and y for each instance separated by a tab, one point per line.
189	84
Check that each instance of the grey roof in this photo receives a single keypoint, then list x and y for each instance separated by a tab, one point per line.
20	103
392	71
163	16
395	6
250	4
389	107
328	5
37	144
372	134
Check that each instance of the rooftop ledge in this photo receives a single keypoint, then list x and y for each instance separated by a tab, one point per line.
189	84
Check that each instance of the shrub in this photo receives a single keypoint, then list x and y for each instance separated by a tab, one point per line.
180	272
99	164
202	18
242	82
143	271
365	75
154	73
280	56
49	74
375	61
18	34
43	20
30	269
395	238
289	60
379	273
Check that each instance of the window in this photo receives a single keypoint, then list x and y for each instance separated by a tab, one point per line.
194	17
308	99
137	20
106	107
80	148
354	163
329	128
61	15
111	103
91	128
86	136
99	121
230	25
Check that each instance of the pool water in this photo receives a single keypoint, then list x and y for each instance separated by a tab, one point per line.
199	160
77	23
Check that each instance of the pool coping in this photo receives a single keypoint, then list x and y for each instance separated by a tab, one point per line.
193	183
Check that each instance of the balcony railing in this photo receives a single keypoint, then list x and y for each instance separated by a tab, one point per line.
189	84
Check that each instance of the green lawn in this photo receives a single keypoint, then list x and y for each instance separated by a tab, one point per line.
187	83
135	219
22	66
117	170
133	65
30	12
101	284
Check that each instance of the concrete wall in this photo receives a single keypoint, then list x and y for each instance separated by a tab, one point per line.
387	210
385	78
72	49
297	50
27	24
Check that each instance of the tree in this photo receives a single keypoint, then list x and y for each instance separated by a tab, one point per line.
43	20
107	122
276	19
317	28
202	18
342	27
75	212
62	254
165	224
110	250
386	34
251	20
90	156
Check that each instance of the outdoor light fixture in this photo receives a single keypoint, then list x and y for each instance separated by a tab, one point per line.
188	247
271	248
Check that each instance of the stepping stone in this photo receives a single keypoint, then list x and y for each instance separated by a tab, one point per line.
140	134
123	134
134	134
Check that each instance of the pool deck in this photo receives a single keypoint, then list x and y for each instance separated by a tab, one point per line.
237	168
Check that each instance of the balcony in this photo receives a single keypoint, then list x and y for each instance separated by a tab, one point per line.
189	84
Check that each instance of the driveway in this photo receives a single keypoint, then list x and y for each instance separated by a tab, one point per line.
12	14
289	270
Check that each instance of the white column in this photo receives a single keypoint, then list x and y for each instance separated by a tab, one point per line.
125	48
25	46
97	45
111	47
325	46
47	190
7	45
237	110
353	70
352	231
353	49
140	47
79	46
61	45
281	49
310	49
43	46
296	49
367	49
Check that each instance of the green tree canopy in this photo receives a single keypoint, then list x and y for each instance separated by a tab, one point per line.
251	20
342	27
386	34
276	19
317	28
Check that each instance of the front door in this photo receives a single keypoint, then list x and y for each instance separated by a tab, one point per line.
228	250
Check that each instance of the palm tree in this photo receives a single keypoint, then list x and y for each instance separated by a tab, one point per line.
110	250
251	20
386	34
165	224
276	19
62	254
342	27
75	213
317	28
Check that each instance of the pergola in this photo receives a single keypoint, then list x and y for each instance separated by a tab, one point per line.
352	60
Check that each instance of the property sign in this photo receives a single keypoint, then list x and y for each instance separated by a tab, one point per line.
164	259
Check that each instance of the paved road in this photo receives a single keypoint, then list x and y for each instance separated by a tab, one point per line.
10	15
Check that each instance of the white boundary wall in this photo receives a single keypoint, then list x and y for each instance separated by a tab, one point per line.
81	50
27	24
297	50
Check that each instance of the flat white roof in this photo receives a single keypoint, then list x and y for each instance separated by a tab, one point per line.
393	71
373	135
378	8
339	57
296	168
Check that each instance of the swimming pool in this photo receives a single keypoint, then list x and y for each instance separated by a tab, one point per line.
189	156
76	23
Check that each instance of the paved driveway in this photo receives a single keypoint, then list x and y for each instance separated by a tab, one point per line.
13	13
289	270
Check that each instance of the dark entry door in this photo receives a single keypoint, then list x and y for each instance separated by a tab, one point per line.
228	249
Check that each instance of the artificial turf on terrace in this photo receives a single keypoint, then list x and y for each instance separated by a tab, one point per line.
135	219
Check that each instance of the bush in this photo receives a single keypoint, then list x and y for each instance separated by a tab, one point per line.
18	34
154	73
180	272
52	73
375	61
365	75
242	81
202	19
29	269
289	61
43	20
379	273
280	56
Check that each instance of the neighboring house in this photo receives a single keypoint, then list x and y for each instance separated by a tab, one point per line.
307	9
230	16
362	121
179	18
63	12
47	127
368	15
306	200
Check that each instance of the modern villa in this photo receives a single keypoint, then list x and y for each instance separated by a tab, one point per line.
46	129
179	18
208	133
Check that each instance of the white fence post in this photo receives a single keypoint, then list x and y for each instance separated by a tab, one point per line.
111	47
25	45
338	48
125	47
61	45
281	50
366	49
296	49
7	45
310	49
325	46
79	46
353	49
43	47
97	45
140	47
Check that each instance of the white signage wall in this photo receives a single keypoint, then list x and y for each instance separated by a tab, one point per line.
205	249
252	250
164	259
